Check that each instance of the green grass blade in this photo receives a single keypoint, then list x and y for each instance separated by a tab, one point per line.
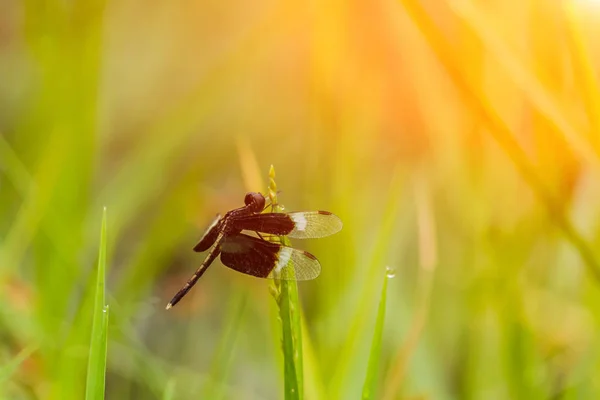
367	288
97	360
370	386
286	295
313	378
8	370
169	393
224	353
292	339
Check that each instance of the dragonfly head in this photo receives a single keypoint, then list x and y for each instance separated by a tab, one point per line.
255	201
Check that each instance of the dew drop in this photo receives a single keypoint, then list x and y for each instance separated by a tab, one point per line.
281	207
390	272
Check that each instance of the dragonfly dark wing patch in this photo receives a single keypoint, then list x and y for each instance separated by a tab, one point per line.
271	223
249	255
209	237
299	225
264	259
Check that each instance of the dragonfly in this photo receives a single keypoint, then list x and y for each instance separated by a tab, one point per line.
256	256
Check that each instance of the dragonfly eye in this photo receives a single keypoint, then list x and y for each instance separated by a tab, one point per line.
256	200
249	198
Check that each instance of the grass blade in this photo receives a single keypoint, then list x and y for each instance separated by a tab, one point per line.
97	360
368	288
370	386
169	393
292	339
427	265
313	380
8	370
224	354
286	295
503	133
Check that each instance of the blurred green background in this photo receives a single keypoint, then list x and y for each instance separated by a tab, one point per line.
458	140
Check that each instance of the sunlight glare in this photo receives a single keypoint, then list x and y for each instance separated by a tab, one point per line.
588	4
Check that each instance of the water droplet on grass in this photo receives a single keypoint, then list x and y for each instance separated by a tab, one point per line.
390	272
